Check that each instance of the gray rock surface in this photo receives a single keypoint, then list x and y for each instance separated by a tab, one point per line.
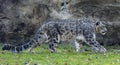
20	19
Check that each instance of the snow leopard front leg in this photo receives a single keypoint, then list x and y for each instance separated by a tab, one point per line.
91	40
78	45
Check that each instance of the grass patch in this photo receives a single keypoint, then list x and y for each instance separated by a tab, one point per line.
66	55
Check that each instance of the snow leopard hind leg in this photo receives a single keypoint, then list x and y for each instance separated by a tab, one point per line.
53	39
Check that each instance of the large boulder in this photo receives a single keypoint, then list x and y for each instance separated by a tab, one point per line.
105	10
20	19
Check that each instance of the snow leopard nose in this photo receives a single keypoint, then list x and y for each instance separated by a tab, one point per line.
104	32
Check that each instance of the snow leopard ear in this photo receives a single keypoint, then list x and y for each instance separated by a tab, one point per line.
97	23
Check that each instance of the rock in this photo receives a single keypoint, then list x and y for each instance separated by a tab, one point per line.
20	19
108	11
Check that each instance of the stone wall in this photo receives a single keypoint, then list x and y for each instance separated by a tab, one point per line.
108	11
20	19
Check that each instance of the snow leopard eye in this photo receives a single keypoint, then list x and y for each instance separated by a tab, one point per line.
98	23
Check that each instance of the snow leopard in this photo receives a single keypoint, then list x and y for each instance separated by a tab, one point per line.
52	32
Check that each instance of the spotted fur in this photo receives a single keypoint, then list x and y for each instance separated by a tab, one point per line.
52	32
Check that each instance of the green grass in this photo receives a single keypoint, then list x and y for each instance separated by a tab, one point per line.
66	55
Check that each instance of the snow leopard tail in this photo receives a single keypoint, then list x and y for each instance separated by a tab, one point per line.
38	38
